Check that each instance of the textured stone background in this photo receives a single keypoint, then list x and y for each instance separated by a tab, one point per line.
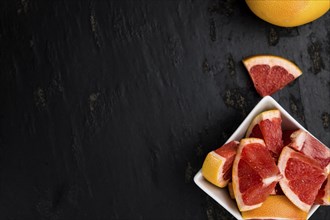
108	108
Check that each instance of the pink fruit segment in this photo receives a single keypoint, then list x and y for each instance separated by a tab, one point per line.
257	172
311	147
323	196
271	132
228	151
270	73
217	166
302	177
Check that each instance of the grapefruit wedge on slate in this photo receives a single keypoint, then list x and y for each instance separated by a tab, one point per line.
217	165
270	73
311	147
302	178
267	126
254	174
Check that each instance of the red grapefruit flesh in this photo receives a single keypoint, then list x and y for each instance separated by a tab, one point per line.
270	73
267	126
302	178
228	151
305	143
323	196
217	165
254	175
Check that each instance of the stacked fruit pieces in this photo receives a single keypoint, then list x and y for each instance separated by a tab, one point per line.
268	163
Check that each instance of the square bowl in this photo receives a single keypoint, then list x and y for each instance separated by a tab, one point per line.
221	195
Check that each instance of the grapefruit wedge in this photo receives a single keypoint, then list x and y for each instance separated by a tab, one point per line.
270	73
311	147
302	178
254	175
217	165
267	126
276	207
323	196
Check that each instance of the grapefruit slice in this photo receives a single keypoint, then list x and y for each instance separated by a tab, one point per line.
255	174
323	196
218	163
305	143
276	207
270	73
302	178
267	126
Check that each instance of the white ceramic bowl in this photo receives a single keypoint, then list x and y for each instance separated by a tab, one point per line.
222	195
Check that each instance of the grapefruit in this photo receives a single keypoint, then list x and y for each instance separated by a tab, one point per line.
305	143
288	13
270	73
323	196
218	163
267	126
276	207
254	175
302	178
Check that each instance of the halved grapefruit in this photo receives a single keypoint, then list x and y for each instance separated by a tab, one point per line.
276	207
255	174
217	165
270	73
289	13
302	178
305	143
267	126
323	196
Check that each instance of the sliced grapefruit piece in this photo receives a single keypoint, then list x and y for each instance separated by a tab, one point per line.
267	126
276	207
302	178
323	196
270	73
218	163
255	174
305	143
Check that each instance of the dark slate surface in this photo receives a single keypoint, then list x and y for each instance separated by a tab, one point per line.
108	108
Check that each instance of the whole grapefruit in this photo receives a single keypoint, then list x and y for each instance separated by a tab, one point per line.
288	13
